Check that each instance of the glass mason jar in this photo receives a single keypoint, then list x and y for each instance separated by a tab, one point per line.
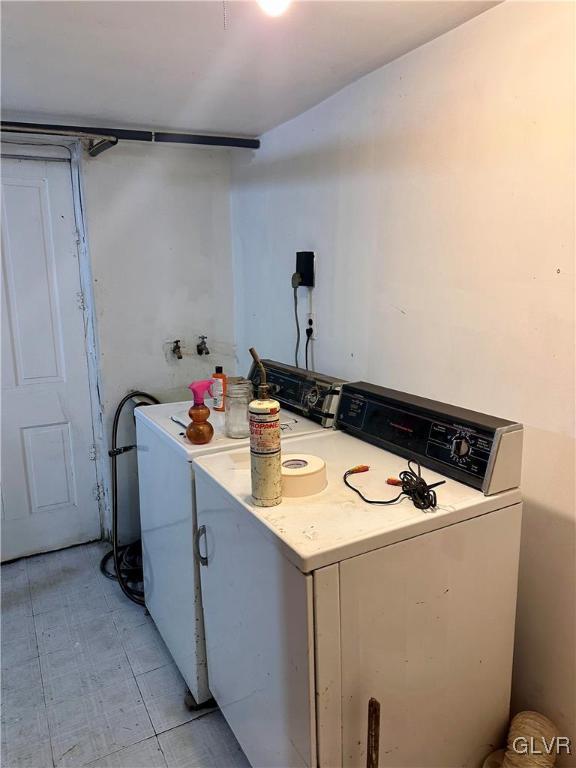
239	393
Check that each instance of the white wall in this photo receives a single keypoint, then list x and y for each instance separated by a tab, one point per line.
159	238
438	195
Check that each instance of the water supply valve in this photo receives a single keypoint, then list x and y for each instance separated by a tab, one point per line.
202	347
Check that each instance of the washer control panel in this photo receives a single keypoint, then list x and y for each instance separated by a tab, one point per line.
460	446
453	441
310	394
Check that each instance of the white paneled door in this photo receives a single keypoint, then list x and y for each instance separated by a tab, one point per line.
49	497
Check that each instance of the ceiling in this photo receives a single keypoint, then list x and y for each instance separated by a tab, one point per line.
173	65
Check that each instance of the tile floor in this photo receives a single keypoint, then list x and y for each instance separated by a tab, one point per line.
87	679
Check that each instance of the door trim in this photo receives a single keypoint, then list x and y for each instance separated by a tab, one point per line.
57	149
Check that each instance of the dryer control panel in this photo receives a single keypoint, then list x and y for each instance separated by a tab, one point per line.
482	451
310	394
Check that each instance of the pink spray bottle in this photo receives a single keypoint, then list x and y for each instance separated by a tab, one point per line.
199	431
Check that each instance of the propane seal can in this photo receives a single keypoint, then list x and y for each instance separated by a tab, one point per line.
265	461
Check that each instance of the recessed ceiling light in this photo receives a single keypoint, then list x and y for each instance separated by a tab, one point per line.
274	7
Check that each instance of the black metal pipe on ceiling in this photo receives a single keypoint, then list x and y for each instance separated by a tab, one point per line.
125	134
212	141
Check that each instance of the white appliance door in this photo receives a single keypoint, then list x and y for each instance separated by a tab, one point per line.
48	467
171	575
259	634
427	628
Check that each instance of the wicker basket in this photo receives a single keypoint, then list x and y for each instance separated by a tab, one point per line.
536	733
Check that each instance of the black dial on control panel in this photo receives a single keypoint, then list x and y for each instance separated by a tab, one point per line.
313	396
460	446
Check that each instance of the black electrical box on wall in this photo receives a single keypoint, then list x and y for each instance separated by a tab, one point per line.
305	267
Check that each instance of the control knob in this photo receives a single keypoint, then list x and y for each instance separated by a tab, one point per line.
460	446
313	396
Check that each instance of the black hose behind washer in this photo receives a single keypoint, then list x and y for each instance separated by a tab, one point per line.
127	558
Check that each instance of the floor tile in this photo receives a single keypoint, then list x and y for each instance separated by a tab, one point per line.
138	635
103	580
14	595
29	756
67	675
30	728
163	690
115	598
129	616
107	585
71	557
204	743
75	712
103	735
14	570
71	616
23	628
97	549
52	594
14	613
96	637
70	584
78	576
23	675
146	754
15	591
75	555
18	649
47	596
145	648
16	700
42	565
34	561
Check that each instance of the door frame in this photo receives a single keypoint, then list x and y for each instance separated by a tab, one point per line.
58	149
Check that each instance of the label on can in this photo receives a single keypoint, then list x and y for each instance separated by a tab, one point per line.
265	433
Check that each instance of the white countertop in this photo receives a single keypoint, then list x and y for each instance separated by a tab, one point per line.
335	524
158	418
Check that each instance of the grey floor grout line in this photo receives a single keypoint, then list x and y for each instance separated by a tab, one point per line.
152	669
115	751
44	697
162	751
54	764
193	720
135	677
144	702
40	666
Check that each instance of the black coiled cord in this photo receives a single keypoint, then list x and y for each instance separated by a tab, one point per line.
413	485
128	558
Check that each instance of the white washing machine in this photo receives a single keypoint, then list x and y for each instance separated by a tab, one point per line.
316	606
168	521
